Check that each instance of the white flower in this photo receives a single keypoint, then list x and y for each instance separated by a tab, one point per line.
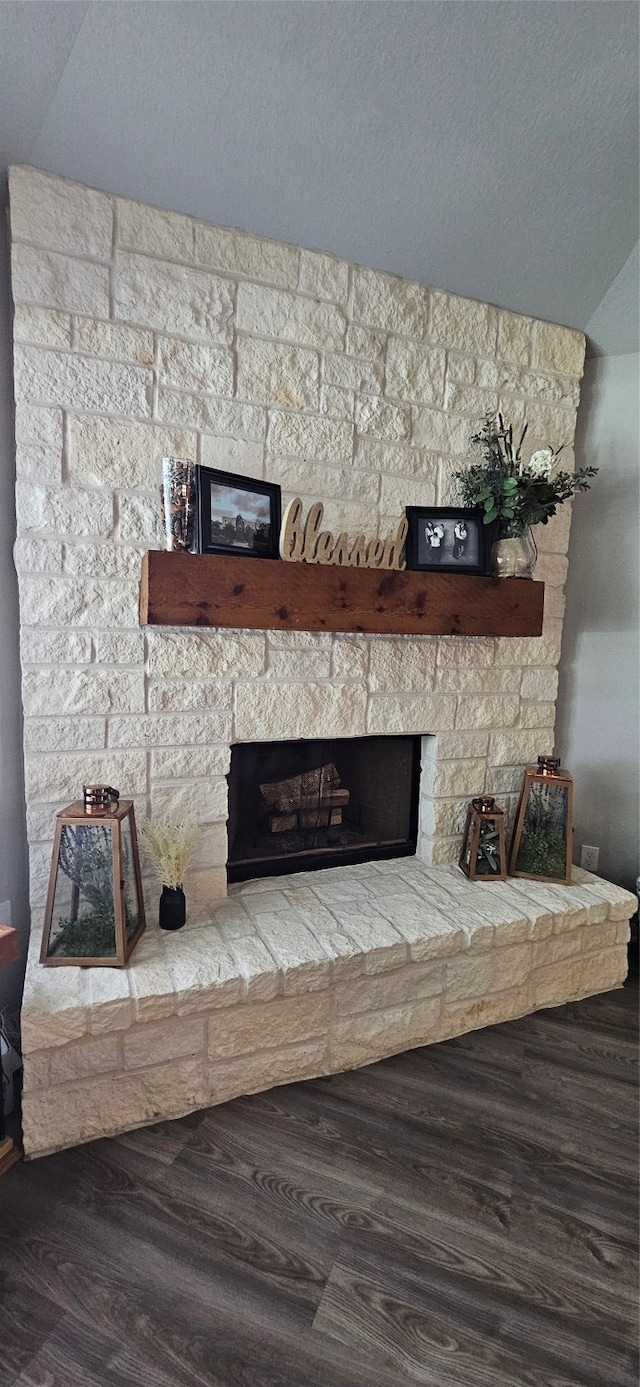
540	463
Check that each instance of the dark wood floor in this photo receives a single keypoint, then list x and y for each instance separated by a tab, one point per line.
459	1216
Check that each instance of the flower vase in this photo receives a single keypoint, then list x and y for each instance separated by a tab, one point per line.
173	908
514	552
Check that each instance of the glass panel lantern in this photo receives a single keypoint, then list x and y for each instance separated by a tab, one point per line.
484	855
95	910
541	846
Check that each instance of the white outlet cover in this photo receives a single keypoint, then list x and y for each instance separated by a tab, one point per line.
5	912
589	855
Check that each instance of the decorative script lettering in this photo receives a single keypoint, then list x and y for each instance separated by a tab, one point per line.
303	541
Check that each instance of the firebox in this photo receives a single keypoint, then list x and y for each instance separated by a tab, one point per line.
299	806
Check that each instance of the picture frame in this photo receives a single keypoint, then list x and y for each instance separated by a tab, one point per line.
448	539
237	515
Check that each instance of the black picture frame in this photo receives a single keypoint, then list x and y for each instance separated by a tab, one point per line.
427	557
219	530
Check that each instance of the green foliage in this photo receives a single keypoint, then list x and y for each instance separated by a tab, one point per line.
488	855
542	853
508	489
92	935
543	849
85	857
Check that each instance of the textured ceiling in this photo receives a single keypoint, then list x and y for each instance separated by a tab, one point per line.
487	148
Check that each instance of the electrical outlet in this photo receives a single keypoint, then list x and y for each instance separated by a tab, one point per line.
589	858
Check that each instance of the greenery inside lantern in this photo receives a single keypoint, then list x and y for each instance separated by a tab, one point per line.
542	838
95	912
483	854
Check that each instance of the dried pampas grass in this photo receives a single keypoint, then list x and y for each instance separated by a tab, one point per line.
168	843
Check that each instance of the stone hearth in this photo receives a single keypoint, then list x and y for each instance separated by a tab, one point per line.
299	976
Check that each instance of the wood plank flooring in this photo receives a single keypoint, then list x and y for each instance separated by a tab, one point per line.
464	1215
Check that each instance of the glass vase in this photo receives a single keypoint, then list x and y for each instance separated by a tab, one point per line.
514	551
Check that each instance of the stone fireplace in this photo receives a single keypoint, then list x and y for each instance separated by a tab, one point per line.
141	333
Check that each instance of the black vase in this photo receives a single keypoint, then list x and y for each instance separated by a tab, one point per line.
173	908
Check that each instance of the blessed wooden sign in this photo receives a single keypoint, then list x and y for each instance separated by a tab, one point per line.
303	541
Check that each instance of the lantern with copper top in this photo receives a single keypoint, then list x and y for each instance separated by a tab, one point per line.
541	846
95	910
484	856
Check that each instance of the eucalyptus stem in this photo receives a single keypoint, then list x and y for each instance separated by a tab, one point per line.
510	489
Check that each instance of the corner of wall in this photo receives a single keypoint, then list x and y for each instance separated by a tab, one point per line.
13	843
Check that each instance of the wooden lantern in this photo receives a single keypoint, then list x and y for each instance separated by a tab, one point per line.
95	910
541	846
484	854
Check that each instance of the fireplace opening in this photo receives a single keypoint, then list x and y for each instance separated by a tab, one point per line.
299	806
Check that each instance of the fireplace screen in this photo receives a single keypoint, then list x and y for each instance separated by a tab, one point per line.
296	806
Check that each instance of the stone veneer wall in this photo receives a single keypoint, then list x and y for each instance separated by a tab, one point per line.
140	333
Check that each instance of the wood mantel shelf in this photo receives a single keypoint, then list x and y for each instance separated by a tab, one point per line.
268	594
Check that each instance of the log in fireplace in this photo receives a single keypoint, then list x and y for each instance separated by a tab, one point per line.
303	805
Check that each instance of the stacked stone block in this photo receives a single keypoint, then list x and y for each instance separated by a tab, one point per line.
141	333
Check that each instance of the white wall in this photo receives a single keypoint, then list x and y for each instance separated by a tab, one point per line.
597	726
13	849
614	328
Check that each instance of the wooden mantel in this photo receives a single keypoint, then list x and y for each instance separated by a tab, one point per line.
268	594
